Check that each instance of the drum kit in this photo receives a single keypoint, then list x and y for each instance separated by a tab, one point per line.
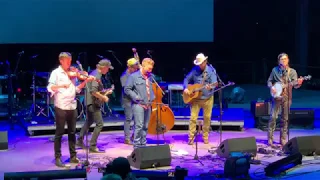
43	104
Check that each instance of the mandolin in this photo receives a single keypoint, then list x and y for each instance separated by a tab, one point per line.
278	86
104	92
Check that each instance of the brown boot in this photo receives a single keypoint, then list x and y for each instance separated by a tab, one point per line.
128	142
190	142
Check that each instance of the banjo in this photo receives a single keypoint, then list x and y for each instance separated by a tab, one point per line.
278	86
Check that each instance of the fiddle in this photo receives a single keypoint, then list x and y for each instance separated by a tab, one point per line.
73	72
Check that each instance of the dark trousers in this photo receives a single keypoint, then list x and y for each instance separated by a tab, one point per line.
61	117
282	104
93	115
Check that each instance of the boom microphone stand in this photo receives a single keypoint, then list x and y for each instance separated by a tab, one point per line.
160	126
195	137
220	102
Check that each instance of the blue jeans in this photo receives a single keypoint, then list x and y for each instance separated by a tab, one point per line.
128	114
141	120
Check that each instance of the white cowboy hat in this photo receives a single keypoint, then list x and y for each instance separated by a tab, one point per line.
199	59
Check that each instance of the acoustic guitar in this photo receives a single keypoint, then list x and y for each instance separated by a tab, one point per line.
194	90
278	86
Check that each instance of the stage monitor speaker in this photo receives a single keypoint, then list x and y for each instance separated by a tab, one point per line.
247	145
4	140
306	145
150	157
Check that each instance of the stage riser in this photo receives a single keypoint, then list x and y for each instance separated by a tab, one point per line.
51	130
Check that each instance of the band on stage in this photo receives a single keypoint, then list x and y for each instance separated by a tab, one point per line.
141	100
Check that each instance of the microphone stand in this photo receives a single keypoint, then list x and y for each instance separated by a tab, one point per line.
10	94
158	128
220	102
288	103
86	163
195	137
113	54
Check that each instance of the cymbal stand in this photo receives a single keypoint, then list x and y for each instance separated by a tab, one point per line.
160	127
10	99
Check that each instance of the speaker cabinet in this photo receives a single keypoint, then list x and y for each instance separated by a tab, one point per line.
246	145
3	140
306	145
150	157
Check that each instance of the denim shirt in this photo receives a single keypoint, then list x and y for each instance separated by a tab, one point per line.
196	76
136	88
123	80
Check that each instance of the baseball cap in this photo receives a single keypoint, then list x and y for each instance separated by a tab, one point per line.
105	62
132	61
65	54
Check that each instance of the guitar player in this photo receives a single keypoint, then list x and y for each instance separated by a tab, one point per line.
285	75
93	106
201	74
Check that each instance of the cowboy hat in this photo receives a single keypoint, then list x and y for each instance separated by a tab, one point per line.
200	59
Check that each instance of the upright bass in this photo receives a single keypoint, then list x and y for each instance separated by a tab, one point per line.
162	118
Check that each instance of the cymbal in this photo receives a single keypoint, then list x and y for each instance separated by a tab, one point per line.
43	74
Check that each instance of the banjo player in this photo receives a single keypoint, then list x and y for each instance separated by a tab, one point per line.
285	77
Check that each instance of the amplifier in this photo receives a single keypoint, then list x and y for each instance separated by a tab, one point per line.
301	117
298	118
259	108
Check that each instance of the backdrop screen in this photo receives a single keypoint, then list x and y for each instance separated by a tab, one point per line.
103	21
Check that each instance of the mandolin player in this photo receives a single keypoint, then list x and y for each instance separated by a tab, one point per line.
281	74
202	73
139	89
94	99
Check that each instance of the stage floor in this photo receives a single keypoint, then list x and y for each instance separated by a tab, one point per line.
36	153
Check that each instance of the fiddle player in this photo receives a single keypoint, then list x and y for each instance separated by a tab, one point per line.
94	101
139	89
133	66
201	74
64	90
283	74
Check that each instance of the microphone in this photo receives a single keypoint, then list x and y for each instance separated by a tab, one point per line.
101	57
109	51
149	51
22	52
78	62
34	56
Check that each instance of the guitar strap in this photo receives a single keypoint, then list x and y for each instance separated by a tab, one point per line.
205	76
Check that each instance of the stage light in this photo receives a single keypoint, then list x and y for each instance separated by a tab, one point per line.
237	95
237	165
19	90
278	167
